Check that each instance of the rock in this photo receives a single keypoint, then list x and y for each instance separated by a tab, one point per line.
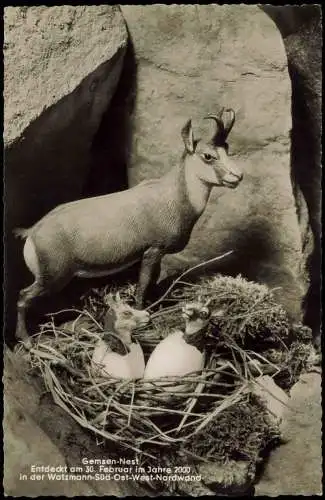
61	68
194	489
217	59
26	445
295	468
272	396
301	28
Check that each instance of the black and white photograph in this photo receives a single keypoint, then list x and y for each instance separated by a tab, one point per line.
162	250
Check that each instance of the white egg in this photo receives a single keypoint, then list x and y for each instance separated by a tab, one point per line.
107	363
136	360
173	356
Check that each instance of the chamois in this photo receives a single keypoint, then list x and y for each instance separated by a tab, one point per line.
116	353
102	235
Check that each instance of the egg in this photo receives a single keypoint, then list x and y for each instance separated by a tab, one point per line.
107	363
181	353
173	356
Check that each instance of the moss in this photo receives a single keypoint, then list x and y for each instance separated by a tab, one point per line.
239	433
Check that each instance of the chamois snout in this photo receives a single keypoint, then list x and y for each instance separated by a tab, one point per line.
232	178
214	166
228	172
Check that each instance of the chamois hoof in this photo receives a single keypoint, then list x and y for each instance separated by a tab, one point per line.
25	341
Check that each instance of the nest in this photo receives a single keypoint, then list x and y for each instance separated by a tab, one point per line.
215	416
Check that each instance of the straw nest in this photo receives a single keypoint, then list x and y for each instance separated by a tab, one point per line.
215	416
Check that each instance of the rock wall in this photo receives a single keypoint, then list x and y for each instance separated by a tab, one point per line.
191	61
301	29
61	68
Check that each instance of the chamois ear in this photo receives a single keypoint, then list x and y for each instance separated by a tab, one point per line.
187	135
110	300
208	301
228	117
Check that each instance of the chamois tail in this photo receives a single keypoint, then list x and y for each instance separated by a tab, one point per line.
21	232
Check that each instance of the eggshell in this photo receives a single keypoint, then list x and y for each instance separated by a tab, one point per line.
173	356
136	360
108	363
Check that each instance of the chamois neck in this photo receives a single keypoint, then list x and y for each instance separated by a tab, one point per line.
116	343
197	190
195	338
185	185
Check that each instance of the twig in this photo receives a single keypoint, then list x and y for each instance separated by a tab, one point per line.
202	264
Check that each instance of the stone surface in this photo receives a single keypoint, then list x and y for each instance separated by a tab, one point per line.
64	45
230	56
38	432
25	446
273	397
294	468
61	68
301	28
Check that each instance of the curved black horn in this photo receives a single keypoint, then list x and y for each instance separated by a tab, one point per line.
229	120
220	134
225	121
221	113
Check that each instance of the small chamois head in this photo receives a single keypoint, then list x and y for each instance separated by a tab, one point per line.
122	318
197	315
208	157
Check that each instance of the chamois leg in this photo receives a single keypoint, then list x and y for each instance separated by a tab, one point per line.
149	272
26	297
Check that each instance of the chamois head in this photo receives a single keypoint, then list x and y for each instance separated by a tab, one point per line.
122	318
209	157
197	315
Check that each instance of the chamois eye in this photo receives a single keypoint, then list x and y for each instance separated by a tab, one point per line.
127	314
204	314
207	157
